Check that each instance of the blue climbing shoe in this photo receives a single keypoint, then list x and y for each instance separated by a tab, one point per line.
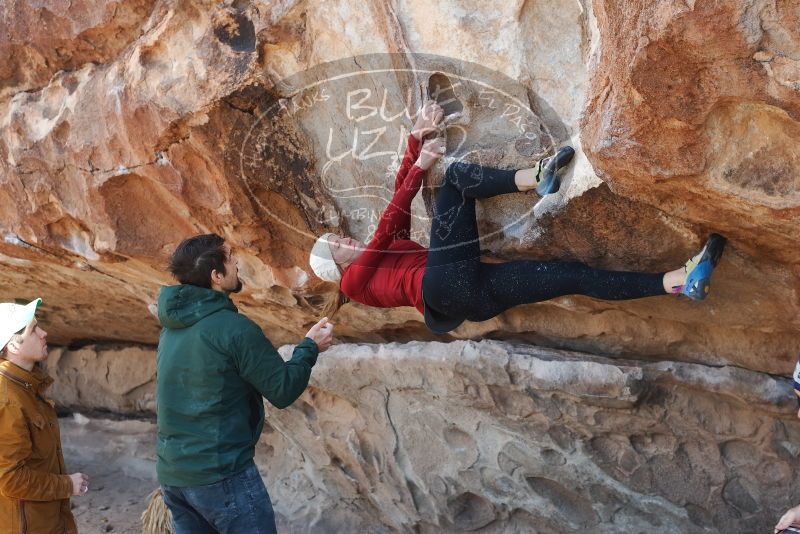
699	269
547	177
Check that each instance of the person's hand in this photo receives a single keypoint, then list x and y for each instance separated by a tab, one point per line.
432	150
80	484
428	119
322	334
798	413
789	519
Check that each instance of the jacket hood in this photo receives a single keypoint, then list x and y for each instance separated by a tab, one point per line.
183	305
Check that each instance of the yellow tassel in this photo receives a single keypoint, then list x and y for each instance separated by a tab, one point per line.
156	519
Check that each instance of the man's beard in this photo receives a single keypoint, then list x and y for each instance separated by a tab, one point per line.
238	287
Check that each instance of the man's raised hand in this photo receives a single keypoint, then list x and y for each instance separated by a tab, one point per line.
322	334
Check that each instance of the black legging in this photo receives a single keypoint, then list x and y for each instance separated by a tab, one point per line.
458	285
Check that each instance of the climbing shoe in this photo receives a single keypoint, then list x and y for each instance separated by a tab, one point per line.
698	269
547	176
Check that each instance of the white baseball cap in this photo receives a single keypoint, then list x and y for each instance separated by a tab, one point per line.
321	260
15	317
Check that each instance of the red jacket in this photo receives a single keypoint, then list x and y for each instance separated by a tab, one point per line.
388	273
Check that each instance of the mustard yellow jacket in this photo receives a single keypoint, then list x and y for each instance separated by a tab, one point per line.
34	486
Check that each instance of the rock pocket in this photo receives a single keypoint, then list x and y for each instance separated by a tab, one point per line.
441	90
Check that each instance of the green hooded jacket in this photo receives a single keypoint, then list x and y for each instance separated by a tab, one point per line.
213	366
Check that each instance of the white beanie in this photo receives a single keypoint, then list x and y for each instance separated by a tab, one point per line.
321	260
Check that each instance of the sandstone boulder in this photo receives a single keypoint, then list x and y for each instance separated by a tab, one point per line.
496	437
160	123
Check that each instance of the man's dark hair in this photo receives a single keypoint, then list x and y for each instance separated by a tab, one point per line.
195	258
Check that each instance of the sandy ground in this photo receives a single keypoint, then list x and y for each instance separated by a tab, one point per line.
119	457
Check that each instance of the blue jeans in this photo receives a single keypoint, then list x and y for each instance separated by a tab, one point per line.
235	505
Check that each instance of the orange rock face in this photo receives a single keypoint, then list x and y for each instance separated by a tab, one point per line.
126	129
46	37
694	110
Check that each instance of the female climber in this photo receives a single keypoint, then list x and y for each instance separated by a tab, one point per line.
448	283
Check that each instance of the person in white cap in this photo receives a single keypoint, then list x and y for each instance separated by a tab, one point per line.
34	486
